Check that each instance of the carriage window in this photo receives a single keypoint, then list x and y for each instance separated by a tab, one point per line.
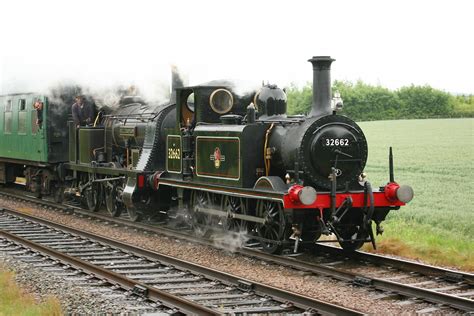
22	117
8	117
8	107
22	104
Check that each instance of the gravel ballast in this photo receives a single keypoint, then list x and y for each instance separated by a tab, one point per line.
321	288
74	299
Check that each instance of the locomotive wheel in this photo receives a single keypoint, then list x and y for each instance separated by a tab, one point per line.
134	215
111	203
274	229
93	197
37	190
200	221
58	193
234	205
351	236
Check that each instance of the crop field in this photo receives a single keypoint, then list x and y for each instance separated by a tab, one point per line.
436	158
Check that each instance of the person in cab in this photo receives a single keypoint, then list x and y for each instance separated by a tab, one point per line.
82	112
38	106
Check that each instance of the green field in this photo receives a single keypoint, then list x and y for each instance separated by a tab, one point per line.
436	158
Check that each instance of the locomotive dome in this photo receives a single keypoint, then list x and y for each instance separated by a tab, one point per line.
271	101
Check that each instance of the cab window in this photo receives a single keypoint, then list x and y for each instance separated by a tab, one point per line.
187	109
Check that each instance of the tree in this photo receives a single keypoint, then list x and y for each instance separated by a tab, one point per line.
367	102
424	101
464	106
299	100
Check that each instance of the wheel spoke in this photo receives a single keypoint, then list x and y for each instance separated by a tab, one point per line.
92	198
275	227
113	206
200	221
232	206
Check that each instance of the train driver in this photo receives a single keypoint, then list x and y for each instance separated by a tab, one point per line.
82	113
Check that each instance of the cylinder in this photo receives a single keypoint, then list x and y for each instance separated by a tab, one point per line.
321	86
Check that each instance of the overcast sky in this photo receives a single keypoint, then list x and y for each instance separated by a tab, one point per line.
392	43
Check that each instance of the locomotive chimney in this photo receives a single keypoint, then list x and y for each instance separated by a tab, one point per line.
176	82
321	86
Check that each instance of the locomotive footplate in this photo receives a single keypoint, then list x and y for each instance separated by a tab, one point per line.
100	170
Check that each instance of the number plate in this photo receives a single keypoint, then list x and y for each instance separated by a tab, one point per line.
128	131
336	142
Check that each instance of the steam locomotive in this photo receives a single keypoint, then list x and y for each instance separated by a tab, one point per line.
213	158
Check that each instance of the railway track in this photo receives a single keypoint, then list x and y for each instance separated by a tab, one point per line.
394	277
92	282
176	284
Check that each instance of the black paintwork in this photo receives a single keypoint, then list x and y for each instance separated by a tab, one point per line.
321	85
271	102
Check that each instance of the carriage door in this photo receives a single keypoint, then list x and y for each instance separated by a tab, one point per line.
37	132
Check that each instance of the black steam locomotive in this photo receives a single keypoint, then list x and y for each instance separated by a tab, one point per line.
214	159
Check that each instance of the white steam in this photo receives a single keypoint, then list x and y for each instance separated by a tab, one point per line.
97	77
103	79
211	227
231	241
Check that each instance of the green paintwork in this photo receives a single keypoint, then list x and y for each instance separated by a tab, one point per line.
174	151
229	171
218	158
20	138
240	144
90	138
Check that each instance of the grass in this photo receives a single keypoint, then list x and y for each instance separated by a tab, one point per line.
436	158
14	301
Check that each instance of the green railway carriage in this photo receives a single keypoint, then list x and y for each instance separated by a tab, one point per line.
29	149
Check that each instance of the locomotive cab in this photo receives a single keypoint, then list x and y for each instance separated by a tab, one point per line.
206	103
210	143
